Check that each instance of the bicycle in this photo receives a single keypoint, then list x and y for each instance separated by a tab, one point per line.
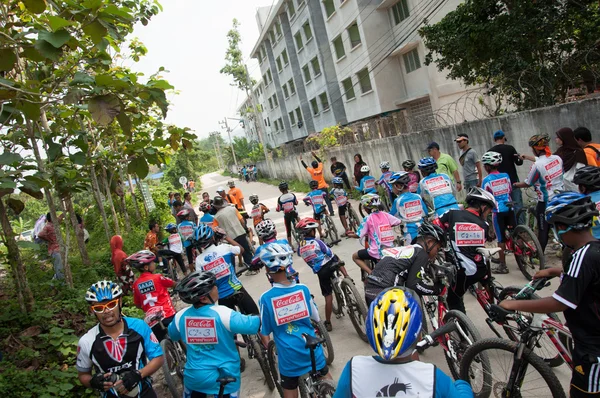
169	269
528	215
517	358
321	331
353	220
330	233
348	300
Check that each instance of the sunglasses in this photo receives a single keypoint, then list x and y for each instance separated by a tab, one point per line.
101	308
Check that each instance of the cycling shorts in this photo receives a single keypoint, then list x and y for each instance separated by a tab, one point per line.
342	210
502	221
242	300
325	274
363	254
288	219
161	331
585	379
317	216
291	383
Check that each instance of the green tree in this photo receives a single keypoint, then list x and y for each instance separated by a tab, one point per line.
235	66
191	163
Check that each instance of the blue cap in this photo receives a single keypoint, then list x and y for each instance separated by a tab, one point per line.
499	134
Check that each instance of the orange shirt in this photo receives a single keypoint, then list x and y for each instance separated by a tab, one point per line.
236	197
591	155
317	175
150	242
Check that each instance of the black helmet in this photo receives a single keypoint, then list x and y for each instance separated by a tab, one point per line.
432	230
196	285
570	208
313	184
314	164
283	185
409	164
589	177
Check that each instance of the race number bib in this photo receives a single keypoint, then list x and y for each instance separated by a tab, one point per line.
386	234
201	330
553	170
290	307
501	187
438	186
308	252
369	184
187	231
256	212
468	234
288	206
413	209
317	200
341	200
219	267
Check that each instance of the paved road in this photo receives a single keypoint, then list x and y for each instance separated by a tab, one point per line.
345	340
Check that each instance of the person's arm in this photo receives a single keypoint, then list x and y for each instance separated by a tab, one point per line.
518	159
458	181
302	161
242	203
235	246
265	209
43	235
479	173
445	387
540	306
316	157
173	330
531	178
343	387
166	282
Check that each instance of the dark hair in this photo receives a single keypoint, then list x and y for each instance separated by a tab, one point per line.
583	134
152	224
333	158
177	203
177	194
360	159
205	194
48	217
187	195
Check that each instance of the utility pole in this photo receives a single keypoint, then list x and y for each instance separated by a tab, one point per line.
224	123
216	135
258	118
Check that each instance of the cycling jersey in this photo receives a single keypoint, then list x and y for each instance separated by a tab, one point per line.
369	376
499	185
438	191
384	181
410	208
340	196
378	228
220	261
132	350
150	291
315	253
257	212
317	199
285	311
175	243
208	334
256	262
209	220
287	202
367	185
546	175
596	224
186	230
415	177
467	233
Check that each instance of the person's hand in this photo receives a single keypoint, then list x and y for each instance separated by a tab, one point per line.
459	186
129	380
506	304
479	184
101	382
547	273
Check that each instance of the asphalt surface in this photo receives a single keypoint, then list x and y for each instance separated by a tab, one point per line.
345	340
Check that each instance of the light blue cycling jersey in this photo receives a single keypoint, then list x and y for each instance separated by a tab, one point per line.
499	185
339	195
317	199
410	208
285	311
220	261
186	230
437	190
315	253
208	334
596	223
367	185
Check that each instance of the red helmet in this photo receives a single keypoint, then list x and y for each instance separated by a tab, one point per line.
205	207
140	259
306	224
183	213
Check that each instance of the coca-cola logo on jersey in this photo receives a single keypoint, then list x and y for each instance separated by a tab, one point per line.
552	164
201	323
293	299
468	227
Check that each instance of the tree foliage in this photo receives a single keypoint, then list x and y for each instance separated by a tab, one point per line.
329	137
234	59
191	164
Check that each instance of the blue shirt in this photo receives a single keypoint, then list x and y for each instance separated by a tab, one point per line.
285	311
315	253
208	334
439	190
367	185
186	230
410	208
596	223
499	185
207	219
317	199
220	261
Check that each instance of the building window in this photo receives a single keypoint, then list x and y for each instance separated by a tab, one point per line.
275	102
329	7
286	93
278	29
400	11
268	122
292	86
276	124
339	47
307	31
270	76
280	124
284	57
270	103
279	66
411	60
264	77
348	88
299	44
324	101
316	67
272	36
292	118
354	35
314	106
298	115
364	80
306	72
291	9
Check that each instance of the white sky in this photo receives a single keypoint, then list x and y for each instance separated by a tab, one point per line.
189	39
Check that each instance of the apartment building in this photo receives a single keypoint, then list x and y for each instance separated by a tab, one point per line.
325	62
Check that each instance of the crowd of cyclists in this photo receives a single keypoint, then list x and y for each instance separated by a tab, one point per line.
425	225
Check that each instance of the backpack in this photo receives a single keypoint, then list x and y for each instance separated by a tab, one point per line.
595	150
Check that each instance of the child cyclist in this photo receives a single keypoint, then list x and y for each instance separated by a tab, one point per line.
287	203
150	292
436	189
571	215
408	207
316	198
257	212
174	243
377	227
294	358
341	199
394	326
268	233
499	185
384	180
321	260
415	177
186	229
207	329
367	182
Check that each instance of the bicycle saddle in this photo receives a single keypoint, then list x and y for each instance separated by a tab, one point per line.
312	342
488	251
224	380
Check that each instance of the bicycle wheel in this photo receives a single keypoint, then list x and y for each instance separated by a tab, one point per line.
528	251
544	348
538	379
320	331
357	309
325	388
338	300
295	235
169	368
353	220
491	229
333	233
362	212
305	392
274	366
259	354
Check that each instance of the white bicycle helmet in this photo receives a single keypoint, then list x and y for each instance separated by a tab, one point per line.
480	195
384	165
276	256
265	229
491	158
365	169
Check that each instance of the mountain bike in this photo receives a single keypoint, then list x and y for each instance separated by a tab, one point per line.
170	268
527	214
321	331
353	220
330	233
348	300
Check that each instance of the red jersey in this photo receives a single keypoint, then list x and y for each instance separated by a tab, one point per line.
150	291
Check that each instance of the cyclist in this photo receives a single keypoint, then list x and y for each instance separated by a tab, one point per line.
406	266
468	230
384	180
150	292
258	212
341	199
316	198
268	233
546	175
316	173
186	229
393	328
207	329
498	184
367	182
408	207
588	180
294	359
377	227
578	295
319	257
287	203
174	243
436	189
415	177
116	345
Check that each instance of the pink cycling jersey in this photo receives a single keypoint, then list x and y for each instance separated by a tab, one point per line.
378	227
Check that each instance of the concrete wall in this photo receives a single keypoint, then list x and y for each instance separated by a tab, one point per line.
517	126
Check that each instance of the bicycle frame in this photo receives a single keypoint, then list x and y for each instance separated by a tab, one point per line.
437	303
553	329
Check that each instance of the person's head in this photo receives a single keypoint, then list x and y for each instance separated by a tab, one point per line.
370	202
266	230
104	299
198	288
277	258
333	160
571	216
408	165
432	238
177	196
221	192
491	161
482	201
171	195
427	166
184	214
358	158
143	261
539	144
253	199
154	226
499	137
313	185
205	197
171	228
337	182
203	237
400	181
384	166
205	207
307	226
283	186
583	136
393	324
462	140
187	196
587	179
231	184
314	164
433	149
177	205
365	170
48	217
219	203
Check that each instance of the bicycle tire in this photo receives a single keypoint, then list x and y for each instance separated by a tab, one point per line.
169	368
491	229
361	211
303	387
338	302
273	366
529	357
259	354
552	361
325	388
357	309
424	316
353	220
526	263
333	233
327	346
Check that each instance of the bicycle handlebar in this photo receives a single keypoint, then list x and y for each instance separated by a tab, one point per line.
431	339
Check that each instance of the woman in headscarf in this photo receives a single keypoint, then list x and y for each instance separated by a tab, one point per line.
572	155
123	271
358	163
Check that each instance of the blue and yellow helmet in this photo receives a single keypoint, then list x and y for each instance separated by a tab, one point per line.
394	323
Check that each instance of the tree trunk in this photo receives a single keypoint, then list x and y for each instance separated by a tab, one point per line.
109	199
99	203
138	217
125	213
85	259
67	241
24	295
138	184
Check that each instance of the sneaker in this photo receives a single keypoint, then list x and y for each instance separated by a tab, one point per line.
500	269
328	326
251	272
